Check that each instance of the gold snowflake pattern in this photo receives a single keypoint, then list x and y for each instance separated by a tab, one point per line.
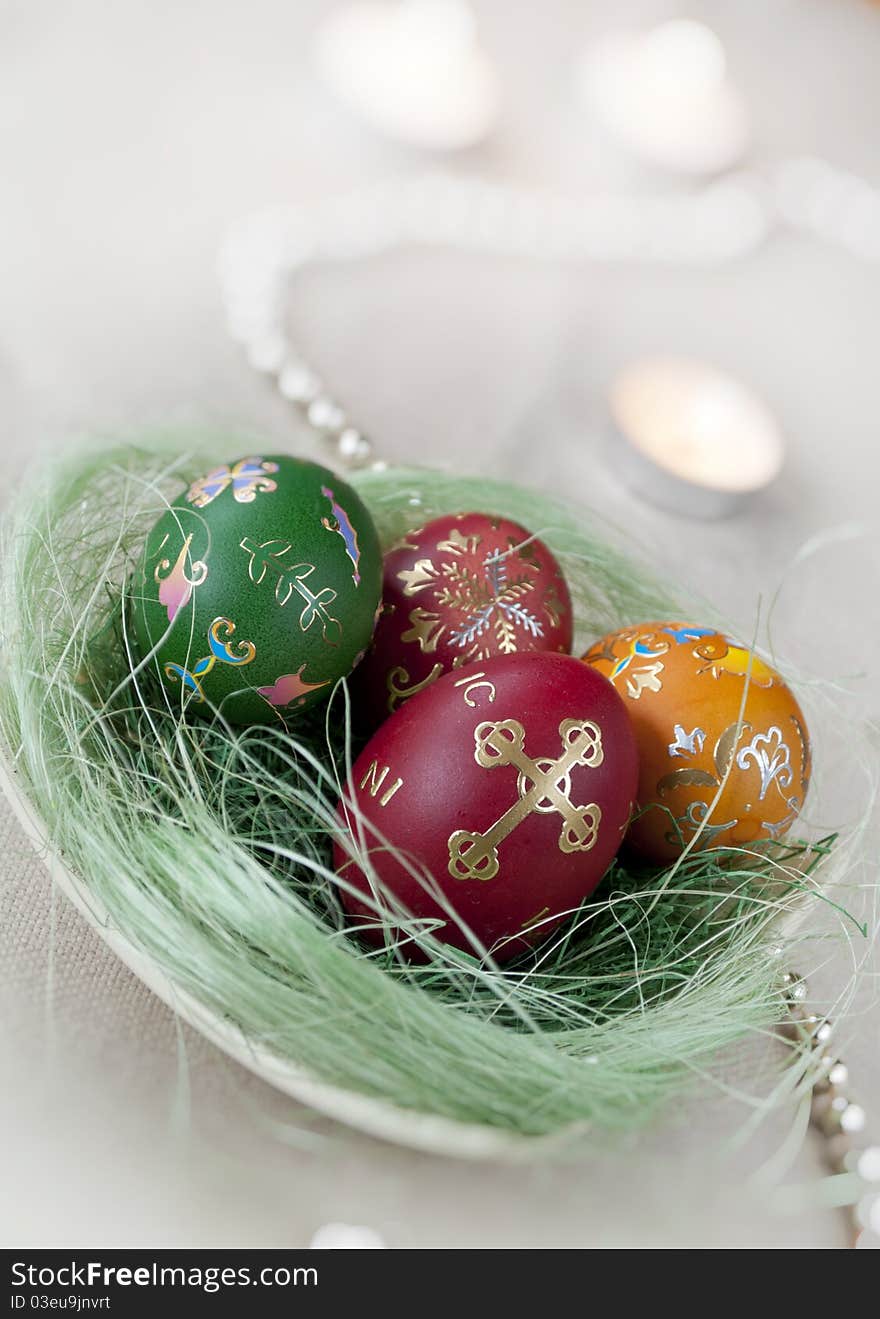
484	603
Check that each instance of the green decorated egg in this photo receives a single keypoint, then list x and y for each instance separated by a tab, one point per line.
259	589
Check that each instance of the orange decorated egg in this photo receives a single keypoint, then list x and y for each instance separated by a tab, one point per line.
711	719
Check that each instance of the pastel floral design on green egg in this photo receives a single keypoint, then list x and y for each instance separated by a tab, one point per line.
248	544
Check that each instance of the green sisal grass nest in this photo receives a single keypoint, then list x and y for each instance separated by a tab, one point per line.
210	847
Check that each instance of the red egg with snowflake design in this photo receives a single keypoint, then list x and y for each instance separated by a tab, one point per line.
460	589
492	802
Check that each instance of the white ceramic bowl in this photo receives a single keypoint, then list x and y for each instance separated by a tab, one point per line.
422	1131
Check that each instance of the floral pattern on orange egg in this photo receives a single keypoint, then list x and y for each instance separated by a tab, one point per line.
712	720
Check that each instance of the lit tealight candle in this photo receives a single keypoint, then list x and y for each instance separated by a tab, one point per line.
412	69
691	438
666	95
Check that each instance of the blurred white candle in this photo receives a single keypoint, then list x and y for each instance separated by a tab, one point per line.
692	438
412	69
665	94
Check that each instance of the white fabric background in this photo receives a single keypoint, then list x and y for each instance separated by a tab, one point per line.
131	134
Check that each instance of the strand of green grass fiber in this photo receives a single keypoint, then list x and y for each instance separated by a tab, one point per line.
235	900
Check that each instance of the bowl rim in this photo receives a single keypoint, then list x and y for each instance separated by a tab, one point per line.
426	1132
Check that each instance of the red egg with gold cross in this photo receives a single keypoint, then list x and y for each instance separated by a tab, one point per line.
492	803
462	588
